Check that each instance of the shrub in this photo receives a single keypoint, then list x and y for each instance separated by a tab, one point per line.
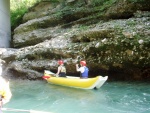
17	9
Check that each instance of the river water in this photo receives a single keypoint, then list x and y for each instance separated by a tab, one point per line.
112	97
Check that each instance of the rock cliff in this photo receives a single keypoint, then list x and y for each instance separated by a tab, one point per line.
113	36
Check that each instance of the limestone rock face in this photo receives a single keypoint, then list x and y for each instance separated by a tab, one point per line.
112	36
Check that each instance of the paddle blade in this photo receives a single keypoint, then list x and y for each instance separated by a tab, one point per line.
45	77
33	111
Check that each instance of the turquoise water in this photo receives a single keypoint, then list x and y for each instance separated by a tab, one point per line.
112	97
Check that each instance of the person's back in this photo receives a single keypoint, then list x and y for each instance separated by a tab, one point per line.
61	69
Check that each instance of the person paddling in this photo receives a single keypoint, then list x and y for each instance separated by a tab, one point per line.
61	72
5	93
83	69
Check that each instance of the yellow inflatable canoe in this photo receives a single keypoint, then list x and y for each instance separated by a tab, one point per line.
76	82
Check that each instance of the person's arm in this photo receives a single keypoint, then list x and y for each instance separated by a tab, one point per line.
77	67
58	71
81	69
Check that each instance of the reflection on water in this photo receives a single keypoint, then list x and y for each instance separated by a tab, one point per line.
112	97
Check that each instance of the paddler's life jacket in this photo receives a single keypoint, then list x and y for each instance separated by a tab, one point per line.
85	73
62	71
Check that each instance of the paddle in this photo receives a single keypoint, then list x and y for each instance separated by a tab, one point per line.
22	110
47	72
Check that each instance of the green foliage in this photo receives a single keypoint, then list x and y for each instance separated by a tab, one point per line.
138	1
18	8
97	2
102	2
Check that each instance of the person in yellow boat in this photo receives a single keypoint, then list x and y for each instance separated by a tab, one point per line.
83	69
61	72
